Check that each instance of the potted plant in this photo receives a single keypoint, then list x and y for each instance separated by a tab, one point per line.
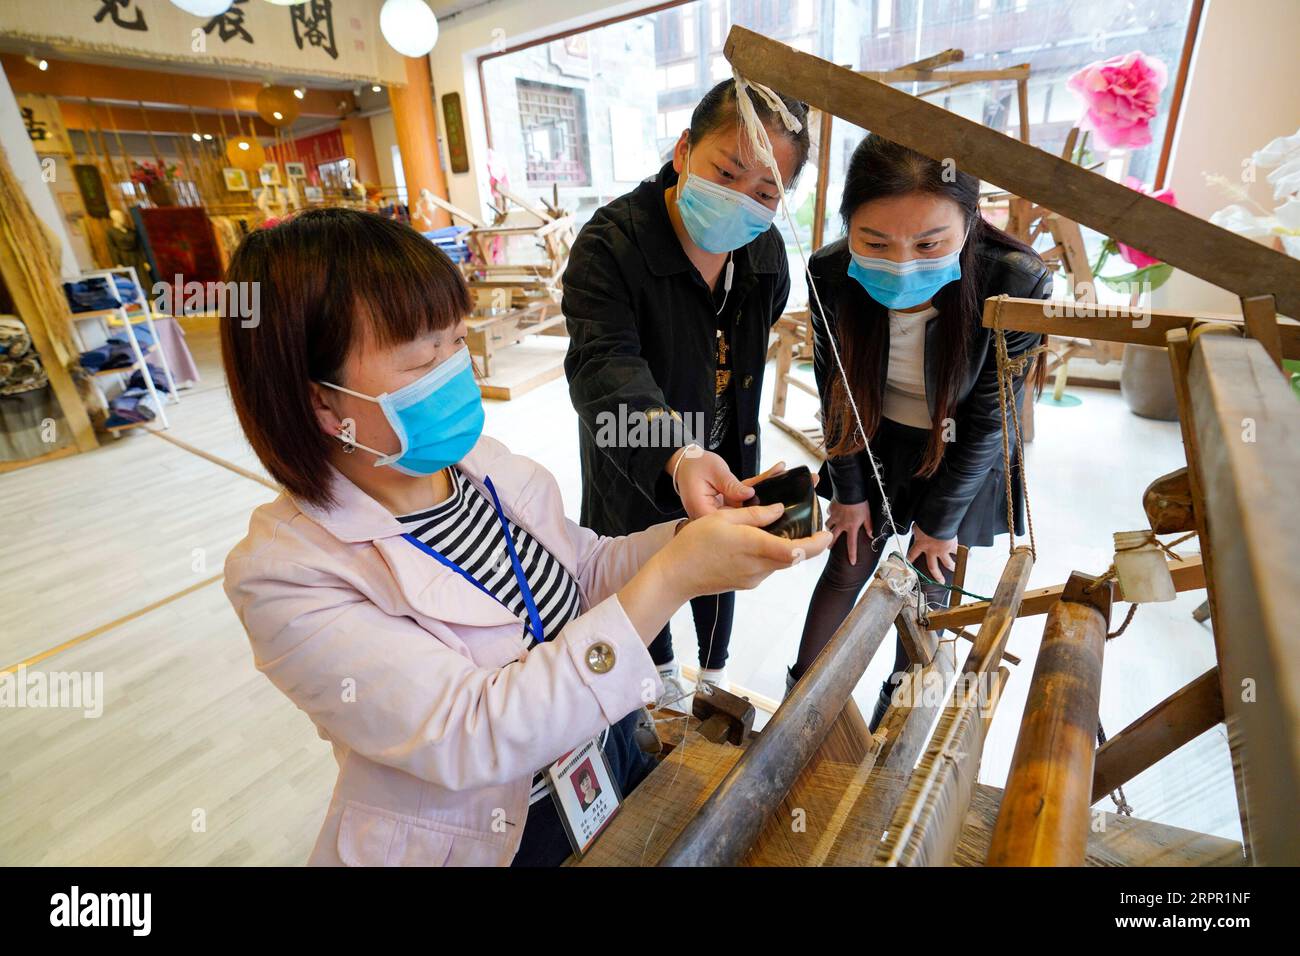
154	177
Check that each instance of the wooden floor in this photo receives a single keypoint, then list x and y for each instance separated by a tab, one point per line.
110	564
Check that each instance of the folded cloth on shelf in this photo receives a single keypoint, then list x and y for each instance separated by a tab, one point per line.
116	351
451	240
96	292
159	379
133	406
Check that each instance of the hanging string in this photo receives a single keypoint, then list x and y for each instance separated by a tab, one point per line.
761	146
1008	370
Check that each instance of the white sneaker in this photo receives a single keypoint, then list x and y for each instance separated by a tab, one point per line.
718	678
674	694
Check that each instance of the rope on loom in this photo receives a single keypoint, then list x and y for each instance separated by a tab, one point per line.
1010	368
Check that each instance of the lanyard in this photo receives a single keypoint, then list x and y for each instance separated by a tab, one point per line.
534	618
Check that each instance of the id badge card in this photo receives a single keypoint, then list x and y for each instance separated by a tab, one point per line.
585	794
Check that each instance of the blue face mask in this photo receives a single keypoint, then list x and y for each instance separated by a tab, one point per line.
902	285
437	418
719	219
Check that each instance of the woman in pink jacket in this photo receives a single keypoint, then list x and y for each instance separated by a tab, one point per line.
417	589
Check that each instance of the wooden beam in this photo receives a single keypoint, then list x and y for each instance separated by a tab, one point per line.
77	115
1088	320
1261	325
67	79
1246	421
1172	235
733	816
904	74
1045	815
917	641
1188	574
1179	346
1176	720
995	627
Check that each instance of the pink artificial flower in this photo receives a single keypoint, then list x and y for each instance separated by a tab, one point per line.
1121	96
1136	257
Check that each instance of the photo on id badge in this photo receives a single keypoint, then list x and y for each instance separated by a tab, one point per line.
585	794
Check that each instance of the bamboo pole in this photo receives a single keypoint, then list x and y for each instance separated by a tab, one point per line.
1045	813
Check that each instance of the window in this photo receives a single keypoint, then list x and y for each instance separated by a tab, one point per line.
554	124
399	175
655	66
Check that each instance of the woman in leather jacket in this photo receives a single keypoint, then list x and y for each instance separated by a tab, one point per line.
903	293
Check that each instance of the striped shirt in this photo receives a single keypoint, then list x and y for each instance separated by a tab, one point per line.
465	528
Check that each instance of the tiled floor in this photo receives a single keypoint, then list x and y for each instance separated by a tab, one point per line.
197	759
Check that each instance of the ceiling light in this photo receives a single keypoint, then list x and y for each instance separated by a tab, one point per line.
376	89
196	137
299	92
204	8
409	26
207	136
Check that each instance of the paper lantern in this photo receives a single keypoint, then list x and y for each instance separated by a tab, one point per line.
409	26
277	105
204	8
246	153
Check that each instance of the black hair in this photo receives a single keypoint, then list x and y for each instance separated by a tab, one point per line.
321	274
878	169
719	106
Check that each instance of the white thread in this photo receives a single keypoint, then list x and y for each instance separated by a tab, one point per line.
761	145
678	464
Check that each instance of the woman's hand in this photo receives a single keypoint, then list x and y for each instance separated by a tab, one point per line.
729	551
936	550
847	519
723	551
705	483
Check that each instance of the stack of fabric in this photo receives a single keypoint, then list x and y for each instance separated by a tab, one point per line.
116	351
133	406
451	240
96	293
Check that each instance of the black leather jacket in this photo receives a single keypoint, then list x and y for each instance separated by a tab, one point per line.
977	450
642	338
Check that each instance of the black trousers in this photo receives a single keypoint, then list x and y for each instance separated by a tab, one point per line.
713	613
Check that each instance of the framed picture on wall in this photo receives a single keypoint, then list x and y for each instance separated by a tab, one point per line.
295	170
270	174
236	179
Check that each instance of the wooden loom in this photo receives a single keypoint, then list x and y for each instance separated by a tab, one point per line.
814	788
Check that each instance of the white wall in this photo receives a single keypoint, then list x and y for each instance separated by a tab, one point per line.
495	26
1242	91
27	169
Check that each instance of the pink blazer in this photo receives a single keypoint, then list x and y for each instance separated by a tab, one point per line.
437	715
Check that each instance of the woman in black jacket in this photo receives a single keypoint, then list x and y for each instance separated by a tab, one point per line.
902	293
670	296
